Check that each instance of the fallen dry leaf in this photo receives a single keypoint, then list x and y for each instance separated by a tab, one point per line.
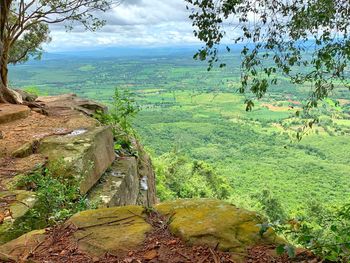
172	242
149	255
2	218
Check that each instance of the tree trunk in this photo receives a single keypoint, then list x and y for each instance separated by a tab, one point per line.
9	96
6	95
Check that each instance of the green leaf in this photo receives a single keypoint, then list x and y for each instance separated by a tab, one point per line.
280	250
334	228
290	251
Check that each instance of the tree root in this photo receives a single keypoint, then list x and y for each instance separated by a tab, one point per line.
35	105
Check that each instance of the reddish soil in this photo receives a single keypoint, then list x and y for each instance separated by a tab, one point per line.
37	126
32	127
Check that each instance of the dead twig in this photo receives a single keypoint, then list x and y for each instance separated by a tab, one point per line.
204	259
136	214
183	255
32	251
215	256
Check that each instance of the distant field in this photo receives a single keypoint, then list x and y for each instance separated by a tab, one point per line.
199	113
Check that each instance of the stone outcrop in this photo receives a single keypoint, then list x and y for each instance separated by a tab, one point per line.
119	186
22	245
67	134
86	153
121	229
146	174
72	102
129	181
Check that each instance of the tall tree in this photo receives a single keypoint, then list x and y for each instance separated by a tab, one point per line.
305	40
24	27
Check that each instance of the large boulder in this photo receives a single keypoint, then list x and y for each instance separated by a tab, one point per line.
86	153
129	181
115	230
216	223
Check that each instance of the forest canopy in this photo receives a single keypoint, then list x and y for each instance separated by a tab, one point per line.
306	41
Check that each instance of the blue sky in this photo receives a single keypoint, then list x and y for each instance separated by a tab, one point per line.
133	23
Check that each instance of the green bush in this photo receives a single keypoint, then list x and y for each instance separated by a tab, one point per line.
119	116
33	90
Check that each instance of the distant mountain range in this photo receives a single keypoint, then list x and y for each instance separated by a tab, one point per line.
130	52
139	52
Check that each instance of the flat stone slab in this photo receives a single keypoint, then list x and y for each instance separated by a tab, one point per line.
71	101
12	112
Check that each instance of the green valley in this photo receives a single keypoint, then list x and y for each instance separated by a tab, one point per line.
200	115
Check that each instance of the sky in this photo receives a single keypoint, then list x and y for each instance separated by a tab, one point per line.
143	23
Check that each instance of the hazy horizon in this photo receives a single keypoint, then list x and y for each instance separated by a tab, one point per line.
143	23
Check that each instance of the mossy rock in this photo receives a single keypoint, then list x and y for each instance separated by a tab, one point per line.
216	223
18	203
26	149
87	154
119	230
17	248
115	230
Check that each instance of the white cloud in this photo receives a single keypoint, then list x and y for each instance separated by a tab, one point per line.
135	23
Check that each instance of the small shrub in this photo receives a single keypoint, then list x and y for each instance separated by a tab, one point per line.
32	90
119	117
